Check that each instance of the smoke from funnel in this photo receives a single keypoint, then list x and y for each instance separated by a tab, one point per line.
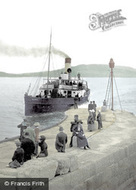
60	53
20	51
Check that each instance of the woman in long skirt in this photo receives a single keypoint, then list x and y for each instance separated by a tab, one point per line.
81	139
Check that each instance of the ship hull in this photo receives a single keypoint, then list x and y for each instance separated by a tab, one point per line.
35	105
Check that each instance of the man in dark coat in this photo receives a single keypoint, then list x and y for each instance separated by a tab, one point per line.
90	106
99	119
28	145
94	108
43	146
73	125
61	140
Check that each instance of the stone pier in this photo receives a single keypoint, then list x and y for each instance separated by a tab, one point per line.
110	164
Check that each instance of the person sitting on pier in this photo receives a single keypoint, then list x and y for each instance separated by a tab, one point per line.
61	140
18	157
81	139
43	146
71	128
29	147
90	121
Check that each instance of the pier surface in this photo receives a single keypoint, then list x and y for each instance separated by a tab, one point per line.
109	164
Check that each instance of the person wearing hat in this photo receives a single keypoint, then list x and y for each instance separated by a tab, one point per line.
22	127
31	133
99	119
29	147
90	121
73	124
90	106
36	130
79	133
94	108
61	140
18	156
43	146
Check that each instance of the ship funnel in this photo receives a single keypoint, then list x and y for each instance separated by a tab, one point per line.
67	64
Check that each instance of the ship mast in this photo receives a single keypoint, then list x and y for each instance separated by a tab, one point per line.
49	59
111	65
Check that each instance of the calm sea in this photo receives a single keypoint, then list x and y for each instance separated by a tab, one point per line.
12	102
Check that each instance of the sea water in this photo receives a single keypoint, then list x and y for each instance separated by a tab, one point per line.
12	92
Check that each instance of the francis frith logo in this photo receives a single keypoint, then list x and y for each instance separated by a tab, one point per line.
106	21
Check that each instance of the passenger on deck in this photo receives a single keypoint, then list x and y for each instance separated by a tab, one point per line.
61	140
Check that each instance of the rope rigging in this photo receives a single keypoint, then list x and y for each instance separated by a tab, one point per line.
109	89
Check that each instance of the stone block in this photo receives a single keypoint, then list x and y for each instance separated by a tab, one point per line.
115	169
60	183
133	160
63	166
38	168
9	172
116	156
129	184
103	187
123	177
122	153
91	183
124	164
66	163
66	182
102	164
107	174
73	162
87	171
76	177
80	187
112	184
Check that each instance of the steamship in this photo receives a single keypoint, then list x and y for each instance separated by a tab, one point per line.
57	94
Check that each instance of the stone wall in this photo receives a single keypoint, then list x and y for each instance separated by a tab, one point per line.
110	164
113	171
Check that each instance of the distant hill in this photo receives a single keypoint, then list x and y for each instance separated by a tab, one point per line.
91	70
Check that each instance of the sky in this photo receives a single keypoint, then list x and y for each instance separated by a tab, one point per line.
27	24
